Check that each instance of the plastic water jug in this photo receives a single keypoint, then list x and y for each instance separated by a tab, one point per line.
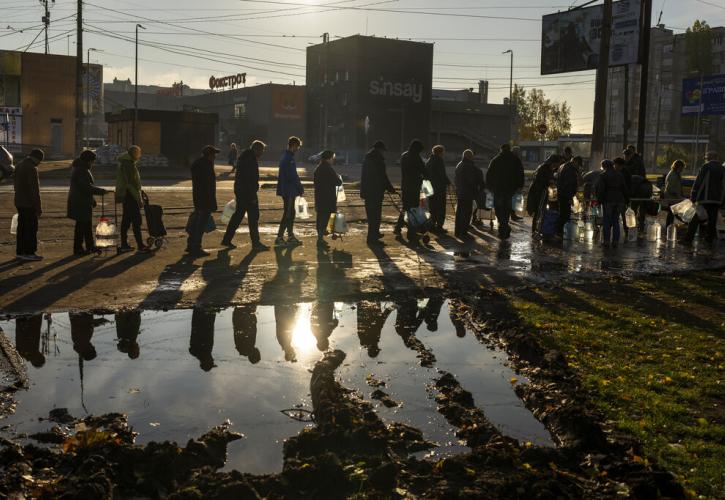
105	232
576	206
489	200
632	234
229	210
14	225
340	225
598	210
589	231
427	188
680	208
654	231
301	208
689	214
552	193
340	190
570	230
630	218
517	202
672	233
580	226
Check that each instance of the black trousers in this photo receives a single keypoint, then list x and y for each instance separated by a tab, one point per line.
564	213
131	218
27	237
437	205
502	207
323	218
250	208
288	218
464	211
374	212
83	232
711	234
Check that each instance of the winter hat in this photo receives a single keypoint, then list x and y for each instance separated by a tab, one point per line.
37	154
88	156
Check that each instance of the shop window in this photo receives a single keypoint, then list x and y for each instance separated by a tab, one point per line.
240	110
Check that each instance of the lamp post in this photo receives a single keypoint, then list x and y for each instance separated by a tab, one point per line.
88	91
511	92
135	91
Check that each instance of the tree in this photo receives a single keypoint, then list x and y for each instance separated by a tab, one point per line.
698	40
533	109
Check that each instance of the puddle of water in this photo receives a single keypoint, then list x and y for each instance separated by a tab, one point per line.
178	373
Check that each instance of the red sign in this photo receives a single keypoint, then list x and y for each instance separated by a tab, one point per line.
542	128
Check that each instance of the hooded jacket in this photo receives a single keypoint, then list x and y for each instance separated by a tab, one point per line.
128	179
543	177
82	189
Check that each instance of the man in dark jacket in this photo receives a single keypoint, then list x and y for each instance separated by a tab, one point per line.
289	187
708	193
373	184
412	174
203	183
27	202
469	185
504	178
567	184
612	193
81	202
538	191
634	162
246	186
436	166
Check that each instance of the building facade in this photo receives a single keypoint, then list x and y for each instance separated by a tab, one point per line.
361	89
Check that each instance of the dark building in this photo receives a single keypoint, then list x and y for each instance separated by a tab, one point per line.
177	135
361	89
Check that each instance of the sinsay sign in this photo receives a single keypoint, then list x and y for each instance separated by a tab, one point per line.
412	91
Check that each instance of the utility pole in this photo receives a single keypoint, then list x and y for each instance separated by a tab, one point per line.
644	74
79	78
135	92
88	93
46	22
511	94
328	82
600	97
697	123
626	122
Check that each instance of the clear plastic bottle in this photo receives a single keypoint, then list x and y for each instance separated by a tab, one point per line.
14	225
672	233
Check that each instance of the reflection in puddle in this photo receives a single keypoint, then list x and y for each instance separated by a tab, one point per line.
178	373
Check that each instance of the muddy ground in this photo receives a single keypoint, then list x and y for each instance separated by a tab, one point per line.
349	451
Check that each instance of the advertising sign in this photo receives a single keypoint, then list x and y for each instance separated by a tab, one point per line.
288	103
13	118
92	89
571	39
710	99
227	81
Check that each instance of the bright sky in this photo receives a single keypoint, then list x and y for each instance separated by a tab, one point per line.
266	39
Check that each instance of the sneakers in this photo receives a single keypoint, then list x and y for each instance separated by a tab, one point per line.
30	257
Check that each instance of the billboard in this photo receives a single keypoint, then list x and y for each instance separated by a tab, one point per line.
708	99
92	89
288	103
570	40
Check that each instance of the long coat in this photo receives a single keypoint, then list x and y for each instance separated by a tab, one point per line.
469	180
203	183
437	172
326	182
413	172
373	178
246	178
82	190
505	174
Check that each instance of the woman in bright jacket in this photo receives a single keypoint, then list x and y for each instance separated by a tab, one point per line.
81	202
673	193
128	193
289	187
326	183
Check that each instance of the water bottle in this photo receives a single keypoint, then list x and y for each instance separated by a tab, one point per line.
14	225
672	233
631	218
517	202
570	230
229	210
301	208
580	230
589	231
654	231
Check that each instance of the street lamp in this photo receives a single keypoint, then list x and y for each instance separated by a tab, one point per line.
88	90
135	92
511	92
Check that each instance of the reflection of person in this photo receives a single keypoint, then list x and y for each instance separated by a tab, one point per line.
244	323
374	183
201	341
81	332
408	319
27	339
284	317
431	312
323	322
370	322
454	311
128	327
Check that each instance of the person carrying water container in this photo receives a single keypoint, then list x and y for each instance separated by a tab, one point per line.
326	183
128	192
81	202
707	192
289	187
567	184
412	174
505	176
469	186
673	193
612	193
436	166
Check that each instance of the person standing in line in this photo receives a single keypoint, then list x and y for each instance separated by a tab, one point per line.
81	202
128	192
436	166
27	202
412	175
203	183
707	191
634	162
504	178
326	182
246	187
567	185
673	192
233	156
538	191
568	154
374	183
469	185
613	195
289	187
619	166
